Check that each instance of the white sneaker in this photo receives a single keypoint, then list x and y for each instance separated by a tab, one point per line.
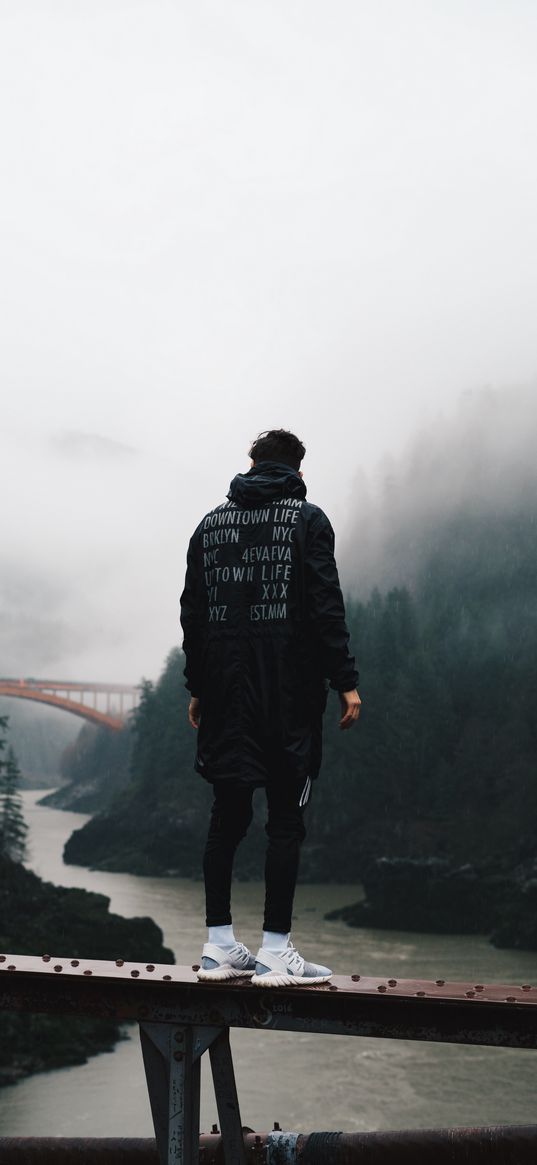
287	969
218	963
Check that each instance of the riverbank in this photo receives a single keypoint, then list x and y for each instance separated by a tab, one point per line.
304	1082
38	917
430	895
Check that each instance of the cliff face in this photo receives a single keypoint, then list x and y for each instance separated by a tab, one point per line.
430	895
37	917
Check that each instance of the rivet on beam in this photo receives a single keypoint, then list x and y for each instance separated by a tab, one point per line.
75	962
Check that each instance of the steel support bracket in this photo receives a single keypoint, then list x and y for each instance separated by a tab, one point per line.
172	1060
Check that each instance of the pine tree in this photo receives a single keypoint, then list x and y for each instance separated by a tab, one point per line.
3	765
13	828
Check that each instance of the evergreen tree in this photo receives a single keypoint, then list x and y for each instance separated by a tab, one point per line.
443	761
3	765
13	828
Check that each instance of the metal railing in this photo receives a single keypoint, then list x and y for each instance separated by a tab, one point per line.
180	1019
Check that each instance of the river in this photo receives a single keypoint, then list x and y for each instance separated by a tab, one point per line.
305	1082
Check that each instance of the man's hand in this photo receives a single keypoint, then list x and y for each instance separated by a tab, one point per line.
350	707
194	712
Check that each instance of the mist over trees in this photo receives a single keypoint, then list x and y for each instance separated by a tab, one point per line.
465	472
95	767
38	735
443	761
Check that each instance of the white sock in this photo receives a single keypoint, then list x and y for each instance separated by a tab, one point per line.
275	942
222	936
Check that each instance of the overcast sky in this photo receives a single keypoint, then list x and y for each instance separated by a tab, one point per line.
223	216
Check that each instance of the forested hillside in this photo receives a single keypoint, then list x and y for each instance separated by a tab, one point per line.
442	764
443	759
39	735
155	824
94	768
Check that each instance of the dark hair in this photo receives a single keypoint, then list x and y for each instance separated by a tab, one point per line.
278	445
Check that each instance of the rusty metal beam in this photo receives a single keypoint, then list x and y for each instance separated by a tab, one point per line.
181	1018
501	1145
78	1151
445	1012
494	1145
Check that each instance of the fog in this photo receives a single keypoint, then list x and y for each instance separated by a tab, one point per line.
479	459
38	735
219	218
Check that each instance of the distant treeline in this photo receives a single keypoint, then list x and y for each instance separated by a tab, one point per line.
38	735
95	768
442	763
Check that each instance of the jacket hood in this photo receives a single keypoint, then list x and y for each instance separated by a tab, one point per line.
265	481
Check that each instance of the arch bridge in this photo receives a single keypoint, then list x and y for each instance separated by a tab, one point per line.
107	705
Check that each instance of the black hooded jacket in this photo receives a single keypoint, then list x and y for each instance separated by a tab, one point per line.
264	629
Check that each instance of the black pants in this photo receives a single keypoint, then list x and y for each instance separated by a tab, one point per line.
230	817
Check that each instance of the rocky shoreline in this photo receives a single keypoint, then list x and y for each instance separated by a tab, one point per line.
38	917
430	895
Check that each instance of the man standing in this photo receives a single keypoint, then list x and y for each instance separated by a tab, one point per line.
264	630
